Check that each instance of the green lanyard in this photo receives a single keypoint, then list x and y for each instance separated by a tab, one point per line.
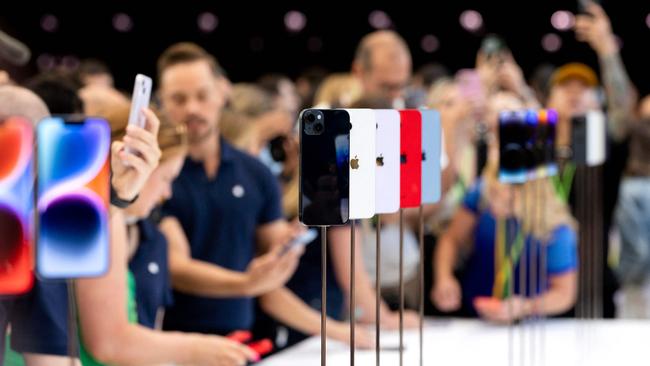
505	263
563	181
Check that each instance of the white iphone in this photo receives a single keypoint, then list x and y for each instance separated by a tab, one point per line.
362	163
387	167
596	138
140	99
431	147
589	138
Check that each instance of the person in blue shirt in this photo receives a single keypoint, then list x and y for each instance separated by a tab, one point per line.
151	272
492	212
147	247
224	221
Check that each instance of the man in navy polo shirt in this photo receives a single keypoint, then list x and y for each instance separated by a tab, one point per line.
224	223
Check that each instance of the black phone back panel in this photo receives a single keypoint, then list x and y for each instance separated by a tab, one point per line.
324	167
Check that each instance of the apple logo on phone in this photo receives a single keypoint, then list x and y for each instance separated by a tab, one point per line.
354	163
380	160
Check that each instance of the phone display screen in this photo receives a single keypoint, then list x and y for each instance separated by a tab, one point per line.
16	205
72	197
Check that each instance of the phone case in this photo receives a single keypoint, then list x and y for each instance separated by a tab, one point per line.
410	158
362	163
16	205
387	170
431	146
324	167
72	197
140	99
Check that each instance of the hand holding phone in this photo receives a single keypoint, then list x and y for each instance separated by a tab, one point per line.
594	27
583	6
303	239
131	171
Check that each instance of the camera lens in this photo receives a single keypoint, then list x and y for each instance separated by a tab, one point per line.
318	127
311	118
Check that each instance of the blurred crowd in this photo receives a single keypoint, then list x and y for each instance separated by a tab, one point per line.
214	191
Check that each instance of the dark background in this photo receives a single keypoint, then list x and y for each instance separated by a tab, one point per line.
87	31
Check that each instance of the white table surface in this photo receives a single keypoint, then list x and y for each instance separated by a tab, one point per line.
476	343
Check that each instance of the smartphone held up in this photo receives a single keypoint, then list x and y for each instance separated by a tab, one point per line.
140	99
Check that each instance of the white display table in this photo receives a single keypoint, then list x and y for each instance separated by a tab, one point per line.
476	343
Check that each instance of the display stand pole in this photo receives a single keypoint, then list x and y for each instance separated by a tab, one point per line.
401	287
323	298
421	284
378	291
353	310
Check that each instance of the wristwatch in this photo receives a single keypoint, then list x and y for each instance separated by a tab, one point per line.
118	202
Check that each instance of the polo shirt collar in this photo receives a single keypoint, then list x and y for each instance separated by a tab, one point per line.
227	151
147	231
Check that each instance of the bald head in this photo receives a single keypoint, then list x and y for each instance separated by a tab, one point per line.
383	64
18	101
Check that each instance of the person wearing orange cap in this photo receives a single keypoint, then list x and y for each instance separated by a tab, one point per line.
574	85
575	90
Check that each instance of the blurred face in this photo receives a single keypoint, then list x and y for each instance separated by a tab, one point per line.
289	98
503	199
191	94
105	80
158	187
501	101
644	108
390	73
453	109
570	98
272	124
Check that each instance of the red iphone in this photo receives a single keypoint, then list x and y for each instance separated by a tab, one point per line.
411	158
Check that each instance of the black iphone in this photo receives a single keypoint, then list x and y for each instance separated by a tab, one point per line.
514	147
324	167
